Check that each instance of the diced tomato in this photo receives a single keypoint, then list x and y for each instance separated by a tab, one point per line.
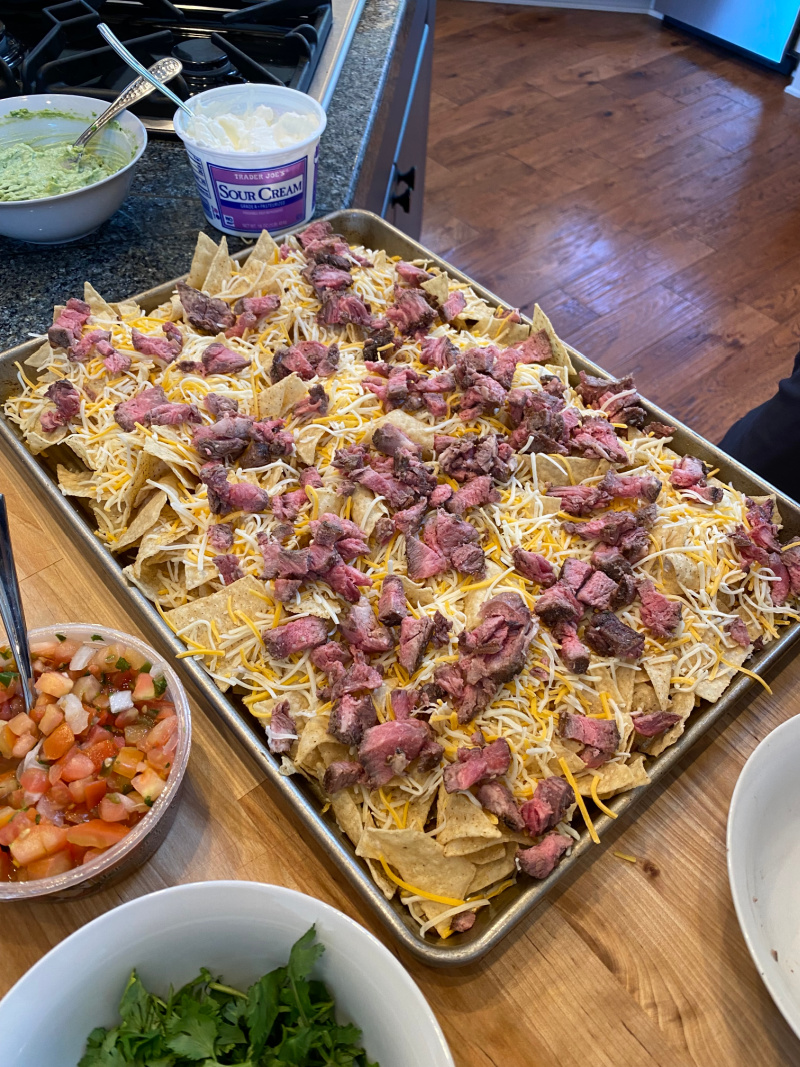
52	716
161	732
14	828
162	707
101	751
34	781
6	815
7	741
144	689
94	793
23	745
60	795
112	808
135	735
8	783
21	724
57	685
149	783
160	759
97	833
128	759
28	846
77	790
58	863
59	742
77	765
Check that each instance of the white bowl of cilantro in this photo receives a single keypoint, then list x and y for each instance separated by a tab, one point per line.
44	201
263	988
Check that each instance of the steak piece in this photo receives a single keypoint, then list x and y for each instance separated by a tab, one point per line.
281	731
404	701
474	765
688	472
350	717
533	567
67	400
574	573
411	275
220	406
327	656
462	922
411	311
286	506
68	326
558	604
360	628
342	774
550	802
738	631
597	437
313	405
660	429
220	536
392	607
224	497
655	723
152	407
574	654
469	559
225	439
634	486
160	347
465	458
537	348
414	637
388	748
217	359
408	521
250	313
204	312
325	277
475	494
580	499
229	568
286	589
268	441
660	615
453	306
600	737
339	309
438	352
295	636
423	562
610	561
607	528
498	799
441	630
609	636
540	860
397	495
80	350
390	439
483	396
598	591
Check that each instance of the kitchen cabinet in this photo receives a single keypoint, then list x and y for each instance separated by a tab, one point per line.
393	178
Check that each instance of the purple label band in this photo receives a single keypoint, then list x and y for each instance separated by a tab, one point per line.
268	199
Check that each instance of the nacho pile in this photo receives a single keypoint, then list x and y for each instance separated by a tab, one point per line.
721	585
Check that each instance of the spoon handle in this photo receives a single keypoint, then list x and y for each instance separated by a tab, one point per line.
11	609
140	87
108	34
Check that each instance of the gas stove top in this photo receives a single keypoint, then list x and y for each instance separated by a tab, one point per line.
55	48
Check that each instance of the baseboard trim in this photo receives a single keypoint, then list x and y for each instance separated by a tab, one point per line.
629	7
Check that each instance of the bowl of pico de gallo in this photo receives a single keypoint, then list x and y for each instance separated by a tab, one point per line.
89	776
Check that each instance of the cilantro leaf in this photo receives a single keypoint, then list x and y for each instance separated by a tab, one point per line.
160	685
7	677
195	1039
261	1009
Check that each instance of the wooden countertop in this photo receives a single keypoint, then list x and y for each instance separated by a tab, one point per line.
626	965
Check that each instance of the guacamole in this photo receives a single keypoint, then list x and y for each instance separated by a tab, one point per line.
30	172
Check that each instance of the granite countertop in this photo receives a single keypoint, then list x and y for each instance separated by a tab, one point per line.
151	238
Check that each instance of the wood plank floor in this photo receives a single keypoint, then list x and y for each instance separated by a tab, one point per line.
641	185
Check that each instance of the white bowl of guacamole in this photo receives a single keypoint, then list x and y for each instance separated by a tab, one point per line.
44	201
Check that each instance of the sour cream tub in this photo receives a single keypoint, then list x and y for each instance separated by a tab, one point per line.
245	192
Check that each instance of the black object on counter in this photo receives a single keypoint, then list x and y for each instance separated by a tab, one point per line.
273	41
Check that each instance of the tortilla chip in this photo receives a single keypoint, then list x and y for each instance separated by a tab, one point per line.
680	571
463	818
148	582
195	576
348	815
278	399
438	288
540	321
263	253
101	309
386	887
147	466
127	309
615	778
488	873
154	541
329	500
660	674
76	483
568	751
171	456
476	848
109	521
713	690
681	704
42	357
626	679
419	860
203	257
243	596
508	333
416	594
418	810
38	443
367	509
306	440
219	271
645	699
146	517
419	432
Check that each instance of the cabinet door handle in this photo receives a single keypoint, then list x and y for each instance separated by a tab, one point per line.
402	200
409	177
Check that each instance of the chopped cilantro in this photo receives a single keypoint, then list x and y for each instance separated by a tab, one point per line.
96	637
146	667
285	1019
61	637
7	677
38	819
122	664
160	685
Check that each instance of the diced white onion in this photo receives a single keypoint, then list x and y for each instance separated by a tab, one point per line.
82	657
118	702
75	715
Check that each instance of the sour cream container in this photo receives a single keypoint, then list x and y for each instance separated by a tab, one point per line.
245	192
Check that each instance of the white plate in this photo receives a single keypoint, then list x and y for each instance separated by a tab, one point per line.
764	863
239	930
